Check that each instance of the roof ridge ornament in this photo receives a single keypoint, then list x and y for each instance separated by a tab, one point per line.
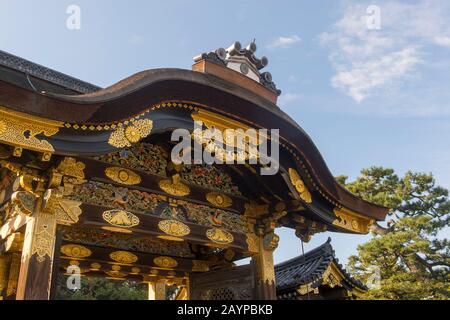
244	61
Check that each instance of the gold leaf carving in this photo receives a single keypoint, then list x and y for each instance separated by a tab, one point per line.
174	187
174	228
200	266
352	221
120	218
123	257
219	236
299	185
75	251
71	167
67	211
20	130
123	176
137	130
44	236
270	241
25	201
252	242
219	200
165	262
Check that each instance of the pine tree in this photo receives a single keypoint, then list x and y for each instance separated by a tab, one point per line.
411	251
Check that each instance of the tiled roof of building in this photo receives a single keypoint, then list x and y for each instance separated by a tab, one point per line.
38	71
309	269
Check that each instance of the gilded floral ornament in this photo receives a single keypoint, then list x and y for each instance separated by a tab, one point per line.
219	200
174	186
165	262
67	211
174	228
21	130
125	136
219	236
299	185
71	167
123	257
123	176
75	251
120	218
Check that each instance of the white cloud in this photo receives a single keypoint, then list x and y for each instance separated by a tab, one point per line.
370	62
288	98
442	41
365	76
284	42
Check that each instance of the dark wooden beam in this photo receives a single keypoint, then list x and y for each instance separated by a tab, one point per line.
144	261
148	225
95	170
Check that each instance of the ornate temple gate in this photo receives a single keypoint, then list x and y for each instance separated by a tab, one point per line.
88	182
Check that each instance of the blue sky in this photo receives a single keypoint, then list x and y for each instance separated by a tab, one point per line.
366	97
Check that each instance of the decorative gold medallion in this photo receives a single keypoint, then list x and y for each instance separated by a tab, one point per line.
75	251
165	262
116	267
299	185
170	238
120	218
137	130
124	257
116	274
95	266
135	270
219	200
117	229
219	236
174	187
174	228
123	176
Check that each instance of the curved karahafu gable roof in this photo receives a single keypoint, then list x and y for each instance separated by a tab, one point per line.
317	267
135	95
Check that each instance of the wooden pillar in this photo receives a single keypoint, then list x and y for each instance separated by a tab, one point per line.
37	256
265	286
5	262
151	291
13	278
160	290
56	264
